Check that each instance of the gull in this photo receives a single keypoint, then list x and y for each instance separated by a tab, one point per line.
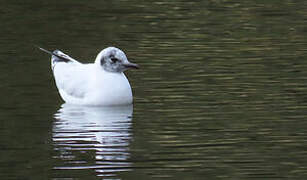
102	83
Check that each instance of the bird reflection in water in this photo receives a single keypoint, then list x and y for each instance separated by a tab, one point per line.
93	138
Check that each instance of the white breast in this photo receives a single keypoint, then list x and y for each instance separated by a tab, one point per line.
87	84
107	88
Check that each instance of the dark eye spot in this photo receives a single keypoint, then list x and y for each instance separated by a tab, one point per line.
114	60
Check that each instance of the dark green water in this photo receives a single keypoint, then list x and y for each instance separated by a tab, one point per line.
222	93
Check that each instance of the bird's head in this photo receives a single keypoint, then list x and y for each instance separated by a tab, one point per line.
112	59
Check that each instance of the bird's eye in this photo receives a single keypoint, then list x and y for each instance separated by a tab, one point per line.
114	60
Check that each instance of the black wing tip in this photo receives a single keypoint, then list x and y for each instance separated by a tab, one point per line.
55	53
44	50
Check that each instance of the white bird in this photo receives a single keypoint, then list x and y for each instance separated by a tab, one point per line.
102	83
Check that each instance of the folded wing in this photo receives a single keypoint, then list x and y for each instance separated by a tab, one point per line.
70	76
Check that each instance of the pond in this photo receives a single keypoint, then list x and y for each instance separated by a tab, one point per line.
221	93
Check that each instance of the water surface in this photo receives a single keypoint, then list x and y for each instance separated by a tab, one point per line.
221	93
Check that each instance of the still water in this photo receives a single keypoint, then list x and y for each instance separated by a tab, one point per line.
222	93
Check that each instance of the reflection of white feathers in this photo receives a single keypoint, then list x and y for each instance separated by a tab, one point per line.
104	130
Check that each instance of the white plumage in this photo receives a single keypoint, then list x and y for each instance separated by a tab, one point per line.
100	83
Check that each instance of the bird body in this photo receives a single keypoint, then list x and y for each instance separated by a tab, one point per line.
100	83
